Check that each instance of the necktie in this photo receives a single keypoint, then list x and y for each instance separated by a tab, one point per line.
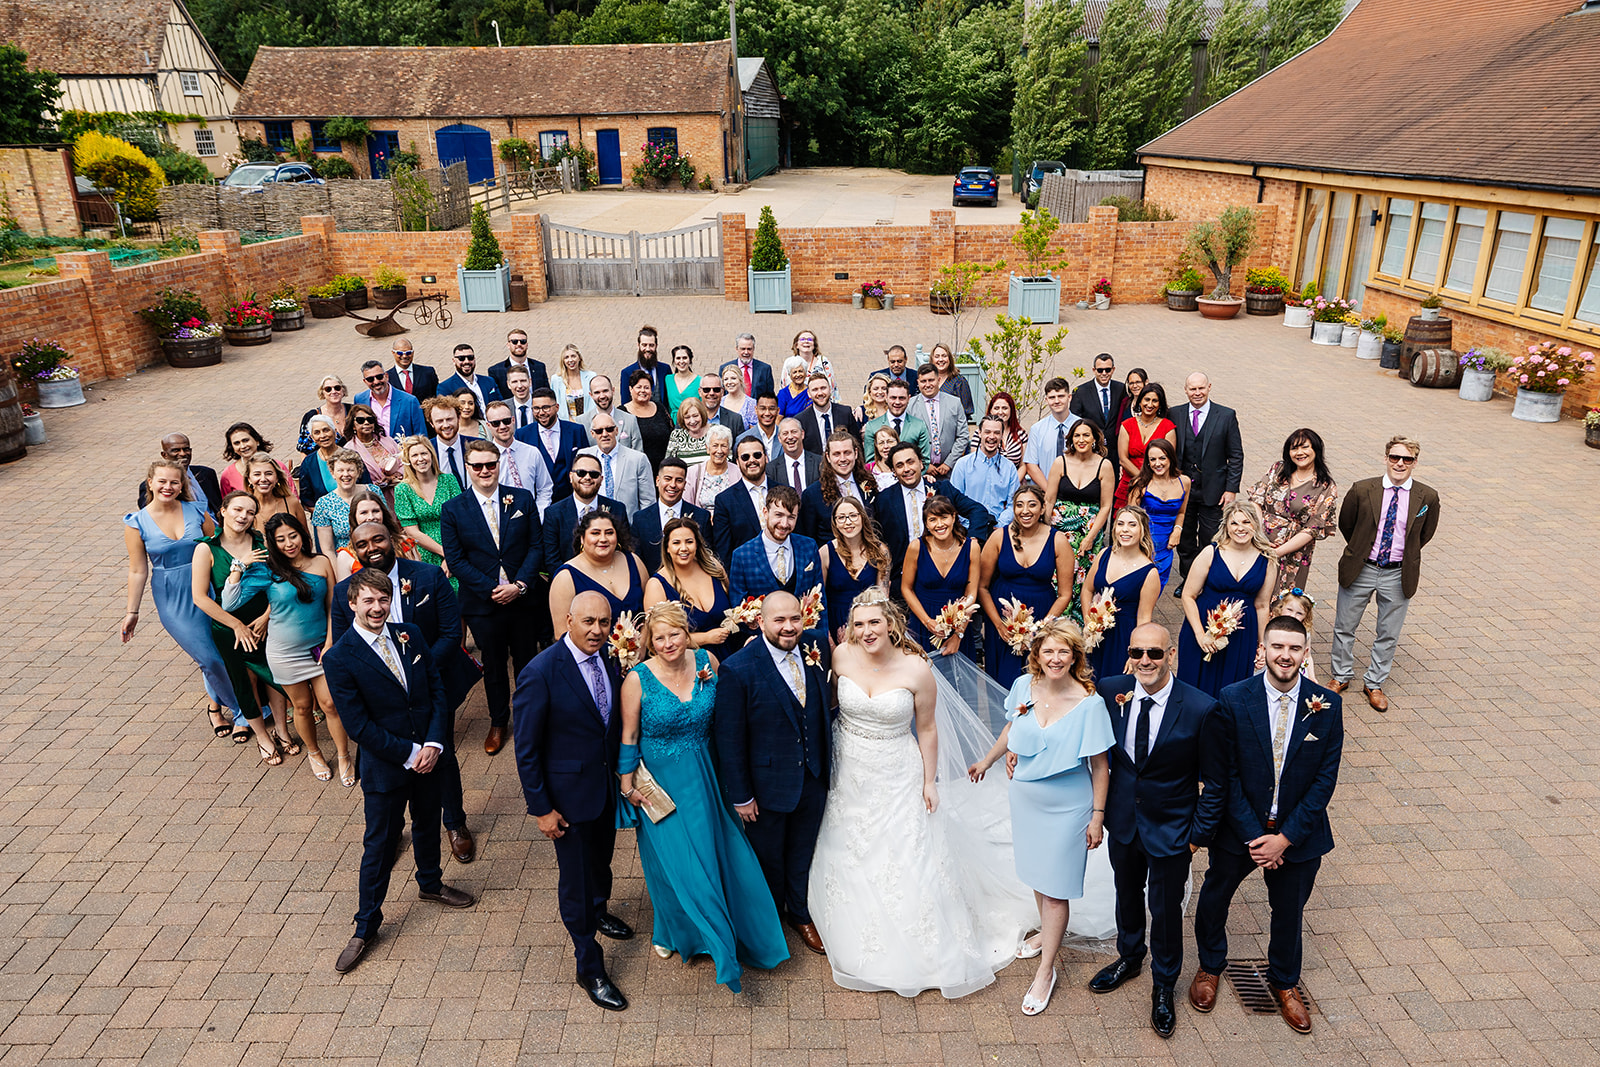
1061	439
797	681
390	662
597	686
510	463
1278	736
611	488
1105	401
405	380
914	510
827	425
522	415
933	427
759	495
1390	517
1141	732
782	564
748	389
492	517
1194	421
897	430
455	464
796	482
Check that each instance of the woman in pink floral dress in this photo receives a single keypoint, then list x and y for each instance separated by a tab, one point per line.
1298	499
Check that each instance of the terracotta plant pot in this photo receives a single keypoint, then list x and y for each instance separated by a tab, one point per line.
1219	309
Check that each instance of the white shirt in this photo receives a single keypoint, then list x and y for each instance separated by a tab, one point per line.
795	475
1273	698
773	548
446	451
669	511
396	650
782	659
1205	412
848	487
395	612
758	494
771	443
584	509
1043	436
916	496
1158	711
582	659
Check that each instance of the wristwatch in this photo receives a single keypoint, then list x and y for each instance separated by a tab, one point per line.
522	588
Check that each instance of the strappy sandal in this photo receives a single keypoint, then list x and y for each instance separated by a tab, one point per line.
222	729
274	759
319	767
347	772
287	746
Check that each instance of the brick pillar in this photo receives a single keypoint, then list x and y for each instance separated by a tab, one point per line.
1102	261
941	248
113	324
322	227
226	243
735	258
527	237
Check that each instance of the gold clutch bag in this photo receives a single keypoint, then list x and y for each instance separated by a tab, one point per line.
655	802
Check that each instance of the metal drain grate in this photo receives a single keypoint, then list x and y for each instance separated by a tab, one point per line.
1249	981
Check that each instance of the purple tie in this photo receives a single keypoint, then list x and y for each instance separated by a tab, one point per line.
597	687
1194	421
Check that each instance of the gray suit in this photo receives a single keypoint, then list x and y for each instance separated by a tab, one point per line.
952	439
627	427
632	485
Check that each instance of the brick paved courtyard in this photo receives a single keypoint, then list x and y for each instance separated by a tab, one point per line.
164	899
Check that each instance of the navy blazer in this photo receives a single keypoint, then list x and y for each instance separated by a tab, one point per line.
1085	404
470	551
485	384
750	573
1310	768
760	376
647	530
756	721
431	607
1177	797
424	381
536	373
839	415
561	526
890	509
658	380
383	718
735	519
571	439
566	750
816	518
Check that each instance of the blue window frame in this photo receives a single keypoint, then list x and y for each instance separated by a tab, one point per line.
321	143
279	135
663	135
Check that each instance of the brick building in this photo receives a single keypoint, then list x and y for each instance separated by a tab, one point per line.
459	103
1446	147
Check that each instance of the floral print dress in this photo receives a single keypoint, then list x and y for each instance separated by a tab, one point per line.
1287	510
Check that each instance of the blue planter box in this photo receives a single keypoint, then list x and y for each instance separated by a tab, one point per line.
973	373
1036	299
769	291
485	290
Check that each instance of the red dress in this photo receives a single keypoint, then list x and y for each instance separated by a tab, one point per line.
1136	447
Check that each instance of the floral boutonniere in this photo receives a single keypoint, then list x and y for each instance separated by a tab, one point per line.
405	587
704	674
506	500
403	637
813	655
1123	698
1024	709
1314	705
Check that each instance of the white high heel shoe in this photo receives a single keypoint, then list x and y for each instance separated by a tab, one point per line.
1031	1006
664	953
1025	951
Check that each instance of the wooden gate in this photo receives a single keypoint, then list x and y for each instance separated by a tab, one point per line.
592	262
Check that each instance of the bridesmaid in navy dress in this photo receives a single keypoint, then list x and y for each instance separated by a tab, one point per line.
1164	495
604	565
941	566
1235	566
853	562
691	575
1026	561
1125	568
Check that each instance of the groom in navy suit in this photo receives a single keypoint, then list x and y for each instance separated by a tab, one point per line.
771	726
1282	736
1165	801
568	729
779	558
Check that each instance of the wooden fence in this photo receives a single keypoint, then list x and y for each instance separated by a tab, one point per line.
1069	196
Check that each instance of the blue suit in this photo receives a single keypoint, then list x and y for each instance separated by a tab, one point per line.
736	519
405	413
760	376
387	720
1243	737
1154	811
561	526
816	518
750	574
567	760
646	525
486	385
571	439
890	510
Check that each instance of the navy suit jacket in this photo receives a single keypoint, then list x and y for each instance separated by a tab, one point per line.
1214	461
405	412
571	439
561	525
757	725
1085	404
760	375
735	519
384	718
1177	797
470	550
455	382
536	373
566	750
1310	768
890	508
431	607
647	530
424	381
839	415
658	380
750	574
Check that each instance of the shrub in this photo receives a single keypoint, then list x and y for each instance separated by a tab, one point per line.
1189	281
1015	356
484	251
111	163
38	360
516	150
331	167
348	283
409	158
1033	240
330	291
386	277
767	253
1222	245
1132	210
414	193
180	168
175	310
345	130
256	150
1265	280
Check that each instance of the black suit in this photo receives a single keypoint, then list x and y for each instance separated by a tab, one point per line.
208	486
536	372
1154	811
890	509
647	530
1214	463
567	761
388	721
1086	405
424	381
561	526
816	518
839	415
735	519
780	469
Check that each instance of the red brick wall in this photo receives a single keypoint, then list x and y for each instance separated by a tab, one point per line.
55	311
1200	194
437	253
38	184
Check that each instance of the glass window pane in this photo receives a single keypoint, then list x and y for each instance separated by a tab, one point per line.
1511	243
1333	255
1316	206
1430	242
1464	248
1395	237
1558	262
1361	254
1589	306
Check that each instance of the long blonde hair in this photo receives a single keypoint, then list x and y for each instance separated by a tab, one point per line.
1146	544
186	492
894	614
870	407
1251	512
406	445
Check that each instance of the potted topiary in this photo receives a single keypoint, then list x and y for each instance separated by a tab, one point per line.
485	278
1222	246
768	275
188	336
1478	369
354	288
1263	291
1431	306
390	290
287	314
327	301
44	363
249	322
1297	311
1036	296
1183	292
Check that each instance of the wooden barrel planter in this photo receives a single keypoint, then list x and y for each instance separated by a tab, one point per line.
386	297
327	307
1183	299
245	336
283	321
13	434
942	303
1423	333
194	352
1435	368
356	299
1263	303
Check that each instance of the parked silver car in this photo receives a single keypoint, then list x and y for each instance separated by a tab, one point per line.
252	176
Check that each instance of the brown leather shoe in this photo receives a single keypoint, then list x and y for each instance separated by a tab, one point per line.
450	897
462	846
809	936
1340	687
351	955
494	740
1203	991
1376	698
1293	1010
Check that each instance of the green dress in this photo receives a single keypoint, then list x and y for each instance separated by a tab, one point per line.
412	510
239	663
674	397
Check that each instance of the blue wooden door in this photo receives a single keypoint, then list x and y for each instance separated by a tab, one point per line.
609	150
381	147
470	143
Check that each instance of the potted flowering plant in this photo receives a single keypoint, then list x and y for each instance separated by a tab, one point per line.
1263	291
1297	309
32	427
1327	319
1591	429
1369	345
1431	306
1394	339
249	322
188	336
1542	378
1478	369
44	364
1350	330
1101	294
872	295
1183	292
287	312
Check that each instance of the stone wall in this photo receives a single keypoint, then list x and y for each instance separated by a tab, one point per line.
357	204
37	186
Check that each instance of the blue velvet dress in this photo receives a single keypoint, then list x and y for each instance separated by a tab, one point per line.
1110	656
706	887
631	602
1034	586
935	590
1236	661
1163	516
843	589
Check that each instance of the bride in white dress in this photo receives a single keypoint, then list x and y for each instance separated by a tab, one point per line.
912	885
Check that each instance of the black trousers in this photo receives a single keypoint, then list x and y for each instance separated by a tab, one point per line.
1131	866
1288	888
1200	524
784	842
505	637
583	854
386	818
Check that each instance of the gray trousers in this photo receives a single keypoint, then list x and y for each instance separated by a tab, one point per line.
1392	605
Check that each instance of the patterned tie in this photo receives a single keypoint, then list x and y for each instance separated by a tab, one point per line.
781	566
597	686
455	464
390	661
1278	736
1105	401
797	680
1141	732
511	464
1390	517
611	488
915	511
933	427
491	514
796	482
1194	421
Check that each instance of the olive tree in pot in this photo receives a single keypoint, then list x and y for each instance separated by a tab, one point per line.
485	278
768	275
1036	296
1222	246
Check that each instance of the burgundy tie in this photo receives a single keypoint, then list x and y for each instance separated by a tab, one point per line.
797	475
406	374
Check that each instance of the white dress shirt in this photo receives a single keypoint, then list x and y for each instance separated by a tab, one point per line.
916	496
396	612
1205	412
1158	711
758	493
794	469
669	511
848	487
782	661
396	650
1274	695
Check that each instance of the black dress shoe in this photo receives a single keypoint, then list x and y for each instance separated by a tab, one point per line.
604	994
1162	1015
1115	974
616	930
450	897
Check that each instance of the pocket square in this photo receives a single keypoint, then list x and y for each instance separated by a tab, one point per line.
1311	737
1423	510
424	600
517	514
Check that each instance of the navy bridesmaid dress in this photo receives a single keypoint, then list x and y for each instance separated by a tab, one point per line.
631	602
1236	661
935	590
1033	586
1110	656
843	588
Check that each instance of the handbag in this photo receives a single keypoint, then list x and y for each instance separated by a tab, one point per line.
654	802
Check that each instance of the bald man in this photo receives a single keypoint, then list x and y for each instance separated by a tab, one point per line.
202	480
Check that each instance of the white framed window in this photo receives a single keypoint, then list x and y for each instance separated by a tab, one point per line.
1395	236
1465	246
205	143
190	82
550	142
1558	262
1430	243
1589	305
1513	237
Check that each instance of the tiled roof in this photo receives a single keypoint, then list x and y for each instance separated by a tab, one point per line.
87	36
1480	91
465	82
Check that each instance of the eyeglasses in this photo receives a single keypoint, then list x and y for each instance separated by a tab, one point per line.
486	466
499	422
1157	654
586	474
1401	459
374	381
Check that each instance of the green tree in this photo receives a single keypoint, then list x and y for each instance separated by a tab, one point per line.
1137	89
627	22
26	96
1047	119
1234	54
1295	25
387	22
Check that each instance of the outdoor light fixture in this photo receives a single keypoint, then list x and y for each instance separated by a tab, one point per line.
1376	215
430	279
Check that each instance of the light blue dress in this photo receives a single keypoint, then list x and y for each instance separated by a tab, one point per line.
706	886
294	628
170	587
1052	794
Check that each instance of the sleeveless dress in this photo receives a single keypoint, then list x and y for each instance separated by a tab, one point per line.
631	602
904	900
1136	450
240	664
1236	661
842	589
1076	508
1163	516
935	590
1110	656
296	628
171	567
705	620
1033	586
705	884
411	510
332	511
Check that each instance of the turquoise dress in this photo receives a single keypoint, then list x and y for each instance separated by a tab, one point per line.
294	628
171	564
706	886
675	397
1052	793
